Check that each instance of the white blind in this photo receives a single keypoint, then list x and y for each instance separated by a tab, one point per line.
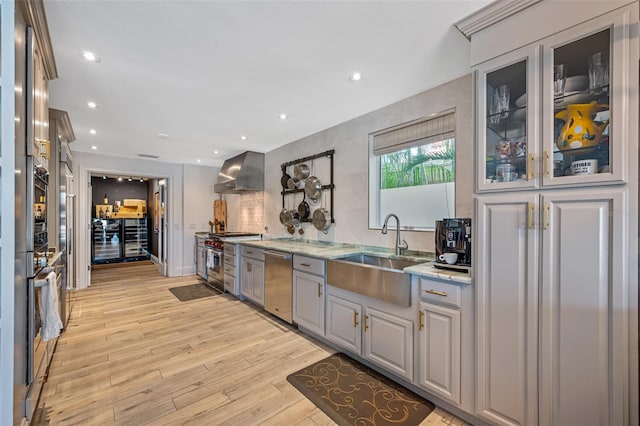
415	134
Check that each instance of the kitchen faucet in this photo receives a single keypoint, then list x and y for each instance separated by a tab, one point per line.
400	246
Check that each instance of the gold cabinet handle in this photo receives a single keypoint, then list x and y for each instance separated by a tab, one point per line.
546	163
531	166
366	327
305	264
355	319
420	317
319	289
531	213
546	216
436	292
249	252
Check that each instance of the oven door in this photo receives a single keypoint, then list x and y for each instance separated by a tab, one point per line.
215	266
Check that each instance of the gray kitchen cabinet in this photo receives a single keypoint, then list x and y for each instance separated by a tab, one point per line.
388	341
252	274
370	331
555	269
343	323
444	337
439	352
547	344
308	301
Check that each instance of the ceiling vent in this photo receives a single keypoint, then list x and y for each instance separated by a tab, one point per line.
148	156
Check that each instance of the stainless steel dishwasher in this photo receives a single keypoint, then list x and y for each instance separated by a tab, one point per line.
278	287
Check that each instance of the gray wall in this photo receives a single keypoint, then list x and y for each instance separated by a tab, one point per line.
351	143
117	191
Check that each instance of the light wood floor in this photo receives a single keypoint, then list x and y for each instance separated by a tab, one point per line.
133	354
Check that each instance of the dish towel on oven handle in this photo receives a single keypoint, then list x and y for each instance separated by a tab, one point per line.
210	260
49	309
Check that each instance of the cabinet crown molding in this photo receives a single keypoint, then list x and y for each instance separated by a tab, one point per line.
65	128
36	18
490	14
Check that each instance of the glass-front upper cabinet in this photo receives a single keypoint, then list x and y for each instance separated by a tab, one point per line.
585	108
507	95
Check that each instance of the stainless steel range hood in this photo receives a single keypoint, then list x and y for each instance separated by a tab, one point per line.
242	173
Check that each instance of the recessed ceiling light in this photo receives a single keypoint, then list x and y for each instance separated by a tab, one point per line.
283	116
163	135
355	76
91	104
104	177
119	179
130	179
243	137
92	131
198	160
215	152
93	147
90	56
141	180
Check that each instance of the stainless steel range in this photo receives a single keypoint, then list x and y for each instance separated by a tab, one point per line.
210	254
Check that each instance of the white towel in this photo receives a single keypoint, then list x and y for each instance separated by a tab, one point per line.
210	260
51	323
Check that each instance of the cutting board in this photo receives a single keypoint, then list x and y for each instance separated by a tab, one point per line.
220	215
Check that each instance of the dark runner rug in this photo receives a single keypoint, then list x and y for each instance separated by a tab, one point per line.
191	292
351	393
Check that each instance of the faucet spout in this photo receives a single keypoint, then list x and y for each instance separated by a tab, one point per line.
400	246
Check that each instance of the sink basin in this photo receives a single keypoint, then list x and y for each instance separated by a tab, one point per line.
374	276
383	262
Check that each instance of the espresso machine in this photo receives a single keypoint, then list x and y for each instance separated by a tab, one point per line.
453	244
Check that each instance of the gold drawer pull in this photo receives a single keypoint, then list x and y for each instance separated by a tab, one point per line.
355	319
531	166
546	216
365	322
420	323
305	264
319	289
546	163
531	214
436	292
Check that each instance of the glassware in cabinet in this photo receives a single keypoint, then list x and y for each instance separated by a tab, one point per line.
588	123
505	134
581	107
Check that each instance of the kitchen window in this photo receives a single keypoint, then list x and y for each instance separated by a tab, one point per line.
412	172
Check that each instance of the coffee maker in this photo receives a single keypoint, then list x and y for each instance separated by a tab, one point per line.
453	235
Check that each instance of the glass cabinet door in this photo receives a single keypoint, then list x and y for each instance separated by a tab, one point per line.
586	92
505	132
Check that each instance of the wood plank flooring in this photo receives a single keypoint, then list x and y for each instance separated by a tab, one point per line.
133	354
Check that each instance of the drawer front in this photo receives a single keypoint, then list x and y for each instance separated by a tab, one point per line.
310	265
440	292
229	249
229	260
252	252
229	270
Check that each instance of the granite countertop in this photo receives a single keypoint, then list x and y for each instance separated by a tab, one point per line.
323	250
428	270
331	250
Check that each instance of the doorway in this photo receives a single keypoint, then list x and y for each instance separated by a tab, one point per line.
128	220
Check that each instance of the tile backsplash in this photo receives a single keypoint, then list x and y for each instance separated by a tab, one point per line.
251	214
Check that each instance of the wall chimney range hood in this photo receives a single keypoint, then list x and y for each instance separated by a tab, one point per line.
242	173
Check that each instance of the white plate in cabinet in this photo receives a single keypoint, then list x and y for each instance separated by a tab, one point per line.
439	351
440	292
308	264
308	301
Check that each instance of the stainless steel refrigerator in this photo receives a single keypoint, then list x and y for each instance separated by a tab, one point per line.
67	203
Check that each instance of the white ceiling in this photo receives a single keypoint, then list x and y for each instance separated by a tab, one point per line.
207	72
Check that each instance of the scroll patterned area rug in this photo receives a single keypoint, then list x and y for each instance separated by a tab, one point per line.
353	394
191	292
